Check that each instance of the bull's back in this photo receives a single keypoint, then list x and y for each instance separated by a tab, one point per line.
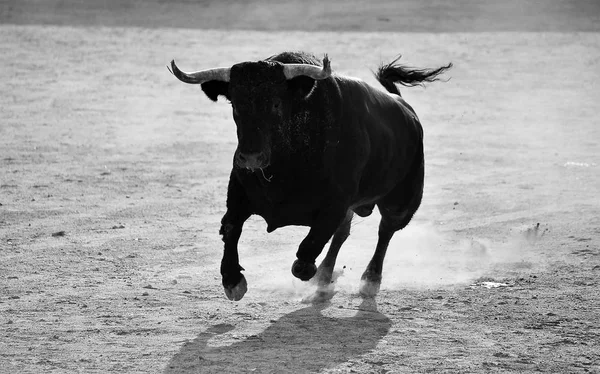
386	133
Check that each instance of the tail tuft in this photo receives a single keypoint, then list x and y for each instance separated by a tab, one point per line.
390	74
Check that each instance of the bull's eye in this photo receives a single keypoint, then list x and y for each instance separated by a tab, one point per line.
276	105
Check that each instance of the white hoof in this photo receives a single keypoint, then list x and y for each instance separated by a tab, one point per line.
368	289
321	295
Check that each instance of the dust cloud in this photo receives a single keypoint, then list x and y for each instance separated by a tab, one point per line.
419	257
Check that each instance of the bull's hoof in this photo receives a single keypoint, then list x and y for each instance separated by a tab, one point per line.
369	284
238	291
368	289
321	295
303	270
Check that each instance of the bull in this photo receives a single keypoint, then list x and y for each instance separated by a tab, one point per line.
314	148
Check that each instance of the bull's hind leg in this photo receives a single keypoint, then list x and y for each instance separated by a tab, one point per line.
371	278
324	226
324	276
397	209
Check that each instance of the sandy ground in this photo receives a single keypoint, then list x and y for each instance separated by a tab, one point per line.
314	15
112	184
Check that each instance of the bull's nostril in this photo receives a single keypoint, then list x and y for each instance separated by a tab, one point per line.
251	160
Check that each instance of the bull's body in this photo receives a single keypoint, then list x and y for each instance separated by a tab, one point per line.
375	140
340	148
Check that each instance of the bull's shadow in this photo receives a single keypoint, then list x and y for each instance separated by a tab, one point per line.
299	342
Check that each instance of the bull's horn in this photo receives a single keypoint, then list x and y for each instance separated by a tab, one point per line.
313	71
199	77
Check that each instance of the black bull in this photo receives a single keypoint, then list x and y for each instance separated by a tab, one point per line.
313	149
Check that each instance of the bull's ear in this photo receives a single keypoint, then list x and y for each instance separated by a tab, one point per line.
301	85
214	89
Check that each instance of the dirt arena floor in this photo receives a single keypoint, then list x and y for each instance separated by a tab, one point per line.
113	178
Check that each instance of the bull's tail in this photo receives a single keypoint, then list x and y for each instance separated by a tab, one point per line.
390	74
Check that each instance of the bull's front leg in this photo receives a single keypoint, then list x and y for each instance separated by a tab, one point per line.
234	282
325	225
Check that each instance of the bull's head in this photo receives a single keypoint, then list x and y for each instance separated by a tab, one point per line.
262	95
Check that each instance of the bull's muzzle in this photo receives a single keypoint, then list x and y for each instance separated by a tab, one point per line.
252	161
